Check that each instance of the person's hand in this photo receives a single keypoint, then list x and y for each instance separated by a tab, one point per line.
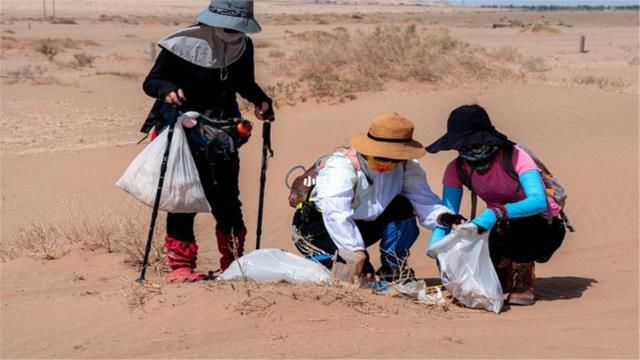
264	112
351	269
175	97
451	220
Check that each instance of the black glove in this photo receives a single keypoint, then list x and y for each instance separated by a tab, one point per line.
480	229
448	219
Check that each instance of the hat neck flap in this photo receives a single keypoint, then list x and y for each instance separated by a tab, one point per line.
206	46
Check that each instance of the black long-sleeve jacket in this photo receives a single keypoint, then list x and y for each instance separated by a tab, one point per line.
203	88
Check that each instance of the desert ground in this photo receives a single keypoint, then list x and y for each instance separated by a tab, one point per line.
72	104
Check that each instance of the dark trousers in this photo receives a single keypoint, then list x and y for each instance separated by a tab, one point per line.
395	228
527	239
219	178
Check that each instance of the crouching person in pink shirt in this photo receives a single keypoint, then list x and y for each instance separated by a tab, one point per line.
523	220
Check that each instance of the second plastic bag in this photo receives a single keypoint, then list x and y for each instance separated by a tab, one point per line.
182	191
466	269
272	265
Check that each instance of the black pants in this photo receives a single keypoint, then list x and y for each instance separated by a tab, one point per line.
219	178
396	228
527	239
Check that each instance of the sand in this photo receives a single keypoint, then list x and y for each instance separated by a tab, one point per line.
65	142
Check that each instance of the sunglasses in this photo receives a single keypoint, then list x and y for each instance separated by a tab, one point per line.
230	31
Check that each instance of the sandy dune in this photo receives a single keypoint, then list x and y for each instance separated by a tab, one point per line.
64	143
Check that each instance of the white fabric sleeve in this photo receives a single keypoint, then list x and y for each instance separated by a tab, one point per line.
426	204
334	196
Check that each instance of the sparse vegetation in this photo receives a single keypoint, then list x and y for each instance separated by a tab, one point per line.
84	59
335	66
115	234
261	43
122	74
600	82
35	75
62	20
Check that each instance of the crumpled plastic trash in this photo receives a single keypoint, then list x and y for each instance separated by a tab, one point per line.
418	290
273	265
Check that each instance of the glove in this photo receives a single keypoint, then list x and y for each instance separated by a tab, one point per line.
448	219
351	269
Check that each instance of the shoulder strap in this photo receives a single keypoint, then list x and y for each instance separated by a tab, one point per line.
465	179
507	165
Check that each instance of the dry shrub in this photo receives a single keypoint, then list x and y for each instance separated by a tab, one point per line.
123	74
115	233
9	31
34	75
83	59
62	20
338	64
137	295
635	61
50	47
600	82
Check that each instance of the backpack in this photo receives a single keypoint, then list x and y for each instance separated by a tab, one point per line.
300	188
551	183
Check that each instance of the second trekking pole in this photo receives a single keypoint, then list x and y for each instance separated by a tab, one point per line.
154	214
267	152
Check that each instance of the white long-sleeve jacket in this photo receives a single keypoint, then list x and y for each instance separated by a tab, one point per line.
345	195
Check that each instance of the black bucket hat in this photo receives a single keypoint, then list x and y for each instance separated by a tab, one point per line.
468	125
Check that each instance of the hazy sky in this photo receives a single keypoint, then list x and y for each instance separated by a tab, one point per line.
545	2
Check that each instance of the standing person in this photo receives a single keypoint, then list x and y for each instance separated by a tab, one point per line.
202	68
368	193
523	219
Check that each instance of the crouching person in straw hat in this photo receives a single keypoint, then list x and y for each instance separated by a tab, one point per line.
523	219
201	68
370	192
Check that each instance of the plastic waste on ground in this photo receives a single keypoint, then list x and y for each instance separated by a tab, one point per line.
273	265
419	291
466	269
182	191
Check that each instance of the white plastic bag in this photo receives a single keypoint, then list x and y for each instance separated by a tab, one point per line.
182	191
272	265
466	269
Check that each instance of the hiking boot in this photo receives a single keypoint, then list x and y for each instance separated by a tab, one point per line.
504	270
182	256
230	246
523	292
396	274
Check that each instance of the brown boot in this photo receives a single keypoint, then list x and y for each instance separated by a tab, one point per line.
523	293
504	269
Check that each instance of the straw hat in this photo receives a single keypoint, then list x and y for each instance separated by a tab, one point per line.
390	136
230	14
468	125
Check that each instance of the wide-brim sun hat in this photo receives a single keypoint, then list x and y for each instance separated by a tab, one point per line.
468	125
390	136
230	14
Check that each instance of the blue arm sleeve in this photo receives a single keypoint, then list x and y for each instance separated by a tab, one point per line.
535	201
451	198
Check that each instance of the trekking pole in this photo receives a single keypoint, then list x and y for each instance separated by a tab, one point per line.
267	152
154	214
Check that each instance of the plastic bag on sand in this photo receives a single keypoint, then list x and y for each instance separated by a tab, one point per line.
272	265
182	191
466	269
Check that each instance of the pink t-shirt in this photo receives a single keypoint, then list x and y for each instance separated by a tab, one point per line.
495	187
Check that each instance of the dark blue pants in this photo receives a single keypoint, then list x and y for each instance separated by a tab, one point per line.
396	229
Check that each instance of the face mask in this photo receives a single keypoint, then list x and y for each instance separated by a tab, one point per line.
228	37
479	156
477	152
381	165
